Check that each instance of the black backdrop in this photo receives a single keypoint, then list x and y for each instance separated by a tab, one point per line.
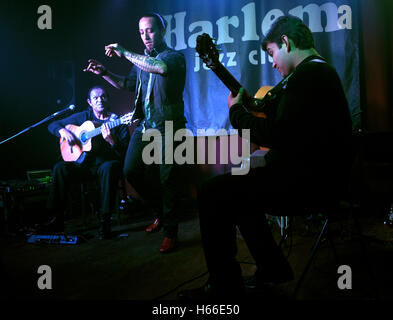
42	72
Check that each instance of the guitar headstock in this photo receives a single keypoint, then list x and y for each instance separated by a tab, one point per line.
127	118
207	50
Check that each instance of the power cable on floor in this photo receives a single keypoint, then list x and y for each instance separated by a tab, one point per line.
191	280
180	285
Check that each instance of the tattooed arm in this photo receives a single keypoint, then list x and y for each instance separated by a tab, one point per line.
98	68
145	63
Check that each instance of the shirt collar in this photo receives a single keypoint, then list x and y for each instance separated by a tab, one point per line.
309	58
155	51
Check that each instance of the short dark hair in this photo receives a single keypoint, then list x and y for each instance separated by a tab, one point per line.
160	20
96	87
293	28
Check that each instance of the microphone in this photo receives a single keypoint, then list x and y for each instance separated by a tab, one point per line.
69	108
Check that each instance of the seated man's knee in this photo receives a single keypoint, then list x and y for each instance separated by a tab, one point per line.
111	167
60	168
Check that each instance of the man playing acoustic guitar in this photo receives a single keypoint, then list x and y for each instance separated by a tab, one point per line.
308	130
103	161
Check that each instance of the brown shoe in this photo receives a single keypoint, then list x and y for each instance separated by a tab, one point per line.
154	227
168	244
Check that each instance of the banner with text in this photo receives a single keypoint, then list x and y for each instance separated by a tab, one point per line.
239	27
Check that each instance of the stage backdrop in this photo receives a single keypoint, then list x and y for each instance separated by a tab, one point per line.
239	27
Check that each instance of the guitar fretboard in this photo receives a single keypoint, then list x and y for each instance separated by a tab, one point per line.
97	131
230	82
227	78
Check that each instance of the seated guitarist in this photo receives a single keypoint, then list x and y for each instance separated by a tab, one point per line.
103	162
308	130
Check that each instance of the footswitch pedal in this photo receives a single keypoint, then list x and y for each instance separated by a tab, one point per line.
53	239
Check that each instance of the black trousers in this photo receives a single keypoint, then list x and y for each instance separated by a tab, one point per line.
159	184
229	201
66	174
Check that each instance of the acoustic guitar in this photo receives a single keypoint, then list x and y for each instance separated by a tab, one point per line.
257	105
209	54
84	135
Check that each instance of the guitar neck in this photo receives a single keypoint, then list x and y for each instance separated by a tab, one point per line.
97	131
227	78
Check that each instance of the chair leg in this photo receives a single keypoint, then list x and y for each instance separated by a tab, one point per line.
310	259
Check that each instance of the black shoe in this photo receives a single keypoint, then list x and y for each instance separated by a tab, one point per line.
253	281
266	291
263	287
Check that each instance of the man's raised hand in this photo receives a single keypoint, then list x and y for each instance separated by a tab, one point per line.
95	67
114	49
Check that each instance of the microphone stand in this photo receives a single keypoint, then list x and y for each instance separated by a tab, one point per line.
31	127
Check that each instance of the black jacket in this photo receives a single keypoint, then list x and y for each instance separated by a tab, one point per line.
308	130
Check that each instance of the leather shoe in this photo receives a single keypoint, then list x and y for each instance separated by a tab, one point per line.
154	227
168	244
258	290
253	282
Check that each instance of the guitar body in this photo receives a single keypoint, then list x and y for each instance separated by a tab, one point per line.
73	153
84	134
209	54
262	91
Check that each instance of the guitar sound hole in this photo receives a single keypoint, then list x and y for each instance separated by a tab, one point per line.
83	137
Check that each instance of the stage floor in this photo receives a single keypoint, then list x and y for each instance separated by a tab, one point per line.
130	267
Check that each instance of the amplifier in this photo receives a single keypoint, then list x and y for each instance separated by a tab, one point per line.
22	204
20	186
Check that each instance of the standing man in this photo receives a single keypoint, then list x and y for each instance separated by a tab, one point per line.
103	162
158	78
308	130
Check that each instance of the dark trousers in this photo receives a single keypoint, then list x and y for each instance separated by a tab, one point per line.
66	174
158	184
229	201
